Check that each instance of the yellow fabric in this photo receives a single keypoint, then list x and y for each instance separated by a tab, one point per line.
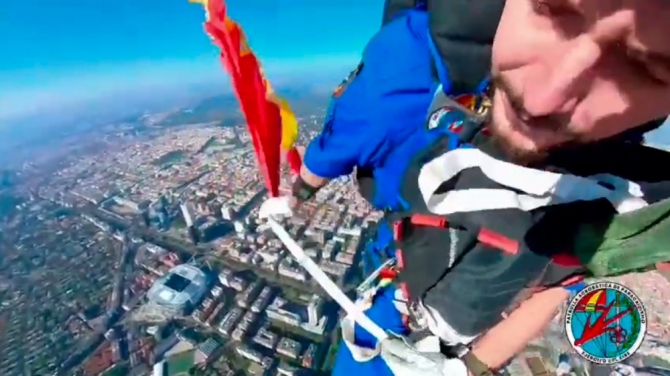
289	122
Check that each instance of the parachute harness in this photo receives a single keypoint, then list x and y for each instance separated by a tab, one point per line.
460	130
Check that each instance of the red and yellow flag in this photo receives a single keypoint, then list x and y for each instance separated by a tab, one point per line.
289	127
272	124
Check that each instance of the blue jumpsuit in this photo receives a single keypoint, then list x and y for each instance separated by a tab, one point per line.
378	123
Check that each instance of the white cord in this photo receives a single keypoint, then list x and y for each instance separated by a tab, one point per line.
322	279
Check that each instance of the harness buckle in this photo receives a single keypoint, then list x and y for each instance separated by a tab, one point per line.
371	281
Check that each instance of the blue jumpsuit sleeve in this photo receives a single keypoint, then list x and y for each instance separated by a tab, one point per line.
341	145
384	314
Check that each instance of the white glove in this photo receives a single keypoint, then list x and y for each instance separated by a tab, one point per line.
405	360
275	207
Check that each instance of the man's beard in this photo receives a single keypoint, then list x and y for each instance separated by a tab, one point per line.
512	152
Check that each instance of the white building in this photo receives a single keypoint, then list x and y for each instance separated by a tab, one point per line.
159	369
227	212
314	310
239	227
187	213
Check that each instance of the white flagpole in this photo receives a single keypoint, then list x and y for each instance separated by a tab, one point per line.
322	279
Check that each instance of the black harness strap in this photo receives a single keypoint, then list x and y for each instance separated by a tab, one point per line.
491	254
405	231
463	32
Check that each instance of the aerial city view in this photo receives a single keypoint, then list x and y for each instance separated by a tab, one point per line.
131	182
146	251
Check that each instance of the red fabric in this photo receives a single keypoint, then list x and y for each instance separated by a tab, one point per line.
262	115
388	273
294	161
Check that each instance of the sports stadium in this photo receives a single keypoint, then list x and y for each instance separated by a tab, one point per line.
180	290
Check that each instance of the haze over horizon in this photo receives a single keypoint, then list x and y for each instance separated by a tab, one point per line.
90	53
119	56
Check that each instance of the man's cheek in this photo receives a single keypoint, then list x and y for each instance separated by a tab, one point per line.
507	59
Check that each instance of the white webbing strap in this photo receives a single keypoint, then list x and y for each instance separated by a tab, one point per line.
354	311
348	327
542	188
438	326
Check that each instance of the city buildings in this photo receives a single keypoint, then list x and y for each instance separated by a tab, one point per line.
308	318
109	226
69	237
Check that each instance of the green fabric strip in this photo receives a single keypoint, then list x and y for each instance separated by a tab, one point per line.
630	242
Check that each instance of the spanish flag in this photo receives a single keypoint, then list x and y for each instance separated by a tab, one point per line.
272	124
289	127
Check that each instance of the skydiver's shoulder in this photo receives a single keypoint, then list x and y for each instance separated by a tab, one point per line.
411	22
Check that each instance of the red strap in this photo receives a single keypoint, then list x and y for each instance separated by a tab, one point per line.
486	236
399	261
428	220
566	259
397	230
495	240
572	281
405	295
404	289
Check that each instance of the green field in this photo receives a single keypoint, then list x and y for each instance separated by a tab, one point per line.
170	158
118	370
180	364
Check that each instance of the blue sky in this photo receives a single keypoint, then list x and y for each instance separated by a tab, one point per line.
64	52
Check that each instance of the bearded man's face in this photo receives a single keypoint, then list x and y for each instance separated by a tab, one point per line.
575	71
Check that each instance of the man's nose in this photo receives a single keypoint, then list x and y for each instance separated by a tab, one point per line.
563	78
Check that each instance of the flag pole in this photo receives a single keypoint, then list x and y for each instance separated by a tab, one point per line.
328	285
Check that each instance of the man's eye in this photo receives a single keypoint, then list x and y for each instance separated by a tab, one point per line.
654	69
659	73
550	8
564	17
652	72
541	7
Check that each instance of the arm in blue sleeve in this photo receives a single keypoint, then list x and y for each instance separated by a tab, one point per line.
341	146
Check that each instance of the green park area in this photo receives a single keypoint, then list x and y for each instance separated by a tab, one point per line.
121	369
180	364
170	158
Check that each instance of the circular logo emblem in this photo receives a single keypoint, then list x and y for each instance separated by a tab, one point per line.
605	323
